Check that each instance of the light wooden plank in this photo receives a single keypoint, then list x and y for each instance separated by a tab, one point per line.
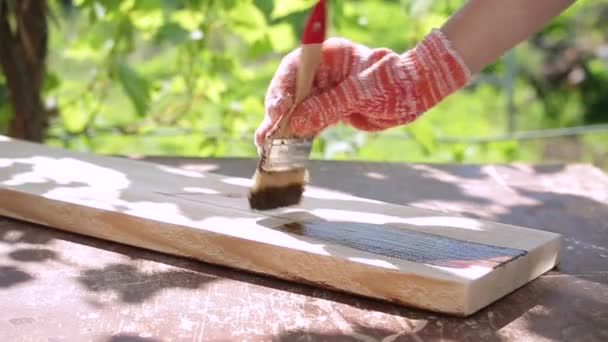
415	257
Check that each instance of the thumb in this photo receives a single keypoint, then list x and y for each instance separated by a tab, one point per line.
261	130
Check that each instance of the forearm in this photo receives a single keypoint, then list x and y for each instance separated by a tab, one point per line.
482	30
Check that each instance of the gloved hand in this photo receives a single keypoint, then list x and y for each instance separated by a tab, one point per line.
371	89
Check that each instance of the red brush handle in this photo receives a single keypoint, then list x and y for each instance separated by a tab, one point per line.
310	57
314	31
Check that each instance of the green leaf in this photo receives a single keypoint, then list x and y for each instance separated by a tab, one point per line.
100	8
80	3
5	115
51	81
171	33
282	37
422	131
188	19
229	4
265	6
147	20
248	21
214	88
110	5
260	47
222	62
336	13
88	45
74	118
136	87
285	8
2	92
149	4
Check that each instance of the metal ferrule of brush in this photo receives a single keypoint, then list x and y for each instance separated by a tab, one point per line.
287	154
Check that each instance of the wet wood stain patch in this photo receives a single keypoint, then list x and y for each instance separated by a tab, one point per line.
406	244
389	241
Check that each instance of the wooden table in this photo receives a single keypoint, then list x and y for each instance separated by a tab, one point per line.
56	286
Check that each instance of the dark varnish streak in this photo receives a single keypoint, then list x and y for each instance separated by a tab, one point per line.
406	244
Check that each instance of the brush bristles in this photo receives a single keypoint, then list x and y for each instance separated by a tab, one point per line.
272	190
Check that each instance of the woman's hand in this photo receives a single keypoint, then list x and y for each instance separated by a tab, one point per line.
369	88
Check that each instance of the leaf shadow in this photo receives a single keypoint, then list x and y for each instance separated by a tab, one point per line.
9	226
395	183
134	286
493	318
131	338
11	276
33	255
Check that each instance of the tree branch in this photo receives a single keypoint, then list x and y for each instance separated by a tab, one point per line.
22	59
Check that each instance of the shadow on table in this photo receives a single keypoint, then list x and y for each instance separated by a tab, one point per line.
534	309
580	219
131	338
13	233
393	183
135	286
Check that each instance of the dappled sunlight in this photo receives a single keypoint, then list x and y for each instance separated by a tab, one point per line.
376	175
446	221
207	217
210	207
65	171
92	185
207	202
556	300
11	236
196	190
107	198
102	182
470	272
248	228
374	262
318	193
117	249
199	168
181	172
367	217
384	244
244	182
158	211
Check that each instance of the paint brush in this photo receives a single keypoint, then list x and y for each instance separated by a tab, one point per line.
282	172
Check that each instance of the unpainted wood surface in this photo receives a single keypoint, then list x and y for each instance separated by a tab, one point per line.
60	286
205	216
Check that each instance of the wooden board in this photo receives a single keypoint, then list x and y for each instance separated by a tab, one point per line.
419	258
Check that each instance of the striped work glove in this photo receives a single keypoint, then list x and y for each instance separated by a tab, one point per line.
371	89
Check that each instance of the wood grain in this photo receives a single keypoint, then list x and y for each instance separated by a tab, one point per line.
408	245
465	264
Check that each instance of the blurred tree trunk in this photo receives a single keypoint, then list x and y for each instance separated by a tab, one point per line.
23	49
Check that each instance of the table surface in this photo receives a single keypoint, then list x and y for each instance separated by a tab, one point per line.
58	286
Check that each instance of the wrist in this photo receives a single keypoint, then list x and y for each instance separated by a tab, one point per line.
438	68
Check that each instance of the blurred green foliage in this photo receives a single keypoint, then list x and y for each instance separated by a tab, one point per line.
188	78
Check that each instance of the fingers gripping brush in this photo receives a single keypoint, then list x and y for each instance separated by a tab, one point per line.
282	168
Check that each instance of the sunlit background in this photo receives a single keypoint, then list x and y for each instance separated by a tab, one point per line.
188	78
